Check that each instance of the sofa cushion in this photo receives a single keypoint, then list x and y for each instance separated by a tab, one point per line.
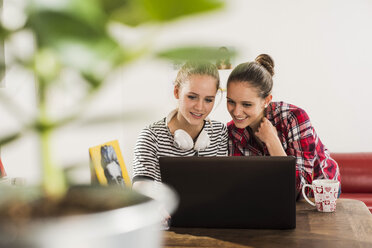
356	171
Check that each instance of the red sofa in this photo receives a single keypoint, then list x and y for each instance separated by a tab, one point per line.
356	176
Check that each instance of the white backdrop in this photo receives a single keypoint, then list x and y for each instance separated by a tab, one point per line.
322	50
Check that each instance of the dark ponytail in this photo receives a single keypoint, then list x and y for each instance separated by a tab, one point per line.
258	74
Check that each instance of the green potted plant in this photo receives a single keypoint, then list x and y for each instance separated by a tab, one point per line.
75	35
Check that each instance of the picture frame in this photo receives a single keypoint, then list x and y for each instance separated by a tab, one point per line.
107	165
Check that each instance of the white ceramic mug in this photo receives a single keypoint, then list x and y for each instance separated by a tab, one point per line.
325	194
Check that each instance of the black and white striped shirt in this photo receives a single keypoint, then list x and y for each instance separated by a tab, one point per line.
157	141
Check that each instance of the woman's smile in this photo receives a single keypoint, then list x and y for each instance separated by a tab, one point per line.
196	115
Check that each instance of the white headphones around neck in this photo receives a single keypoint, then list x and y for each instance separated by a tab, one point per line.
183	140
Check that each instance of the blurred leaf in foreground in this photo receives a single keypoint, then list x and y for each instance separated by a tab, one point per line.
180	55
77	42
137	12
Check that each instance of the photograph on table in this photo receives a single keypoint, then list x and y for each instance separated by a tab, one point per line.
107	165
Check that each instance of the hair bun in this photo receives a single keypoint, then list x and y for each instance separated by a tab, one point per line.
267	62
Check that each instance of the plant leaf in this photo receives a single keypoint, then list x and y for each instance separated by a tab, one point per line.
166	10
180	55
137	12
2	67
78	44
10	137
89	11
3	34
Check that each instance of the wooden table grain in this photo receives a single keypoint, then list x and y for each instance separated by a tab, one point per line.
350	226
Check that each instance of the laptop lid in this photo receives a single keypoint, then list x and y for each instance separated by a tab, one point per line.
232	192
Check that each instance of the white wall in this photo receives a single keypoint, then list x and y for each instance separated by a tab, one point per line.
322	53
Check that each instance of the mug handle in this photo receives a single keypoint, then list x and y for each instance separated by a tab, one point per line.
304	195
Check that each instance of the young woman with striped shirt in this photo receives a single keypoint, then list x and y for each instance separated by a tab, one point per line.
260	127
186	131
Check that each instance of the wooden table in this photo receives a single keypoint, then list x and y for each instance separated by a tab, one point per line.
350	226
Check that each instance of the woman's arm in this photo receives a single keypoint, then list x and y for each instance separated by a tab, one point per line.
268	134
313	160
145	161
222	148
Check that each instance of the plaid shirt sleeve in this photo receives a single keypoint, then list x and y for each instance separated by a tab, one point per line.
313	159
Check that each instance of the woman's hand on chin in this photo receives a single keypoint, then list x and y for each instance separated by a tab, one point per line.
266	132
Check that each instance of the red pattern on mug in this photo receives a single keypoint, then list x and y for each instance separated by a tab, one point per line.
325	194
319	206
319	190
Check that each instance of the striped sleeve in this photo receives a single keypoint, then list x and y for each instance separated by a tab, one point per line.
222	150
145	162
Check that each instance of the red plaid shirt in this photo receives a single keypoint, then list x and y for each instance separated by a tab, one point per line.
298	139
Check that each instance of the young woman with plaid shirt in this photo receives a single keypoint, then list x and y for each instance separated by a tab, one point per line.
260	127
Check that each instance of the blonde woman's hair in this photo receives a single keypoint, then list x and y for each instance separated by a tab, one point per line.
197	68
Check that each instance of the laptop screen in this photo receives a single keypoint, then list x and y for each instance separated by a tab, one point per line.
232	192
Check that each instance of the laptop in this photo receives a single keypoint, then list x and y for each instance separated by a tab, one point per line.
256	192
